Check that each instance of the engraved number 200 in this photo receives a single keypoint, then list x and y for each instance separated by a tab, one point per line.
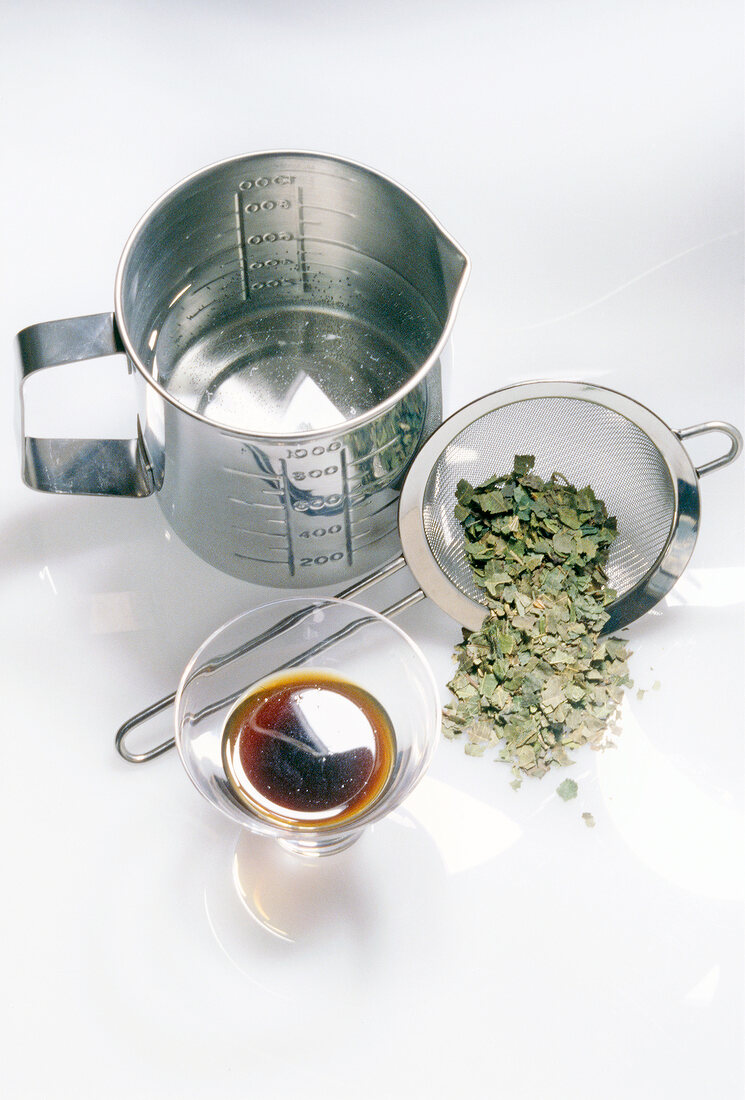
321	559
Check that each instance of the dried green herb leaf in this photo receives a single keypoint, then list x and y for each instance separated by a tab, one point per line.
588	819
526	757
464	492
523	465
473	749
488	685
567	789
564	544
536	672
492	503
569	517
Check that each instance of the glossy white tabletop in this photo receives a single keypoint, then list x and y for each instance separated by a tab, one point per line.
480	941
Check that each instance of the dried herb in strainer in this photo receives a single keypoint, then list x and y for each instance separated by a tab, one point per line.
536	678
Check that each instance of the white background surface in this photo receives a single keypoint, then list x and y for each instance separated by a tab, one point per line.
588	156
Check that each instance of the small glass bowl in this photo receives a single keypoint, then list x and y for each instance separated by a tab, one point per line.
323	634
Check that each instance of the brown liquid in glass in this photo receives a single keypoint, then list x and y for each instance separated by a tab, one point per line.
308	748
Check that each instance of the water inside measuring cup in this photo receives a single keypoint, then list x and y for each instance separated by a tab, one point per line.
288	370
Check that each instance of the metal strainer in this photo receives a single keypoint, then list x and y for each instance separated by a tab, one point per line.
593	436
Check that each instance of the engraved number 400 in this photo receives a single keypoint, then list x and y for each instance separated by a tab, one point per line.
270	238
319	532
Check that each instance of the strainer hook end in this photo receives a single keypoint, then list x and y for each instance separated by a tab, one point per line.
730	430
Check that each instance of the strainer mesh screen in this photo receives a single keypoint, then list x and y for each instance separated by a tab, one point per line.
588	443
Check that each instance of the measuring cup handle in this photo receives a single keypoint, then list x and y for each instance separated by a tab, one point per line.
715	426
92	467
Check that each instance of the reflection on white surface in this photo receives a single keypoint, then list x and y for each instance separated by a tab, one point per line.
290	924
304	902
285	895
45	575
673	824
703	993
113	612
255	908
710	587
467	831
283	921
630	282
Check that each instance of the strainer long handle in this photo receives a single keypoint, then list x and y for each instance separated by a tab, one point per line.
283	625
338	636
715	426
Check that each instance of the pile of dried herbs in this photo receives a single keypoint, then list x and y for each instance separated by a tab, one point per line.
536	678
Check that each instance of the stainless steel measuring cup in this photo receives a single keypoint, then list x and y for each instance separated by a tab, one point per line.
286	317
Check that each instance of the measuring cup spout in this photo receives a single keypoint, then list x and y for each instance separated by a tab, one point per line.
456	268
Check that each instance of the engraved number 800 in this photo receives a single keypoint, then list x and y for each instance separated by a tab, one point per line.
300	475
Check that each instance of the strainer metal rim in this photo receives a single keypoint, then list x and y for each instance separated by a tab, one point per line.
648	591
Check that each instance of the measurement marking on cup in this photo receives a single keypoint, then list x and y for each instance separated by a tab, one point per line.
331	210
191	316
349	247
217	278
379	538
252	473
379	450
259	534
343	268
370	515
347	516
241	229
301	258
288	518
252	503
265	561
257	504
